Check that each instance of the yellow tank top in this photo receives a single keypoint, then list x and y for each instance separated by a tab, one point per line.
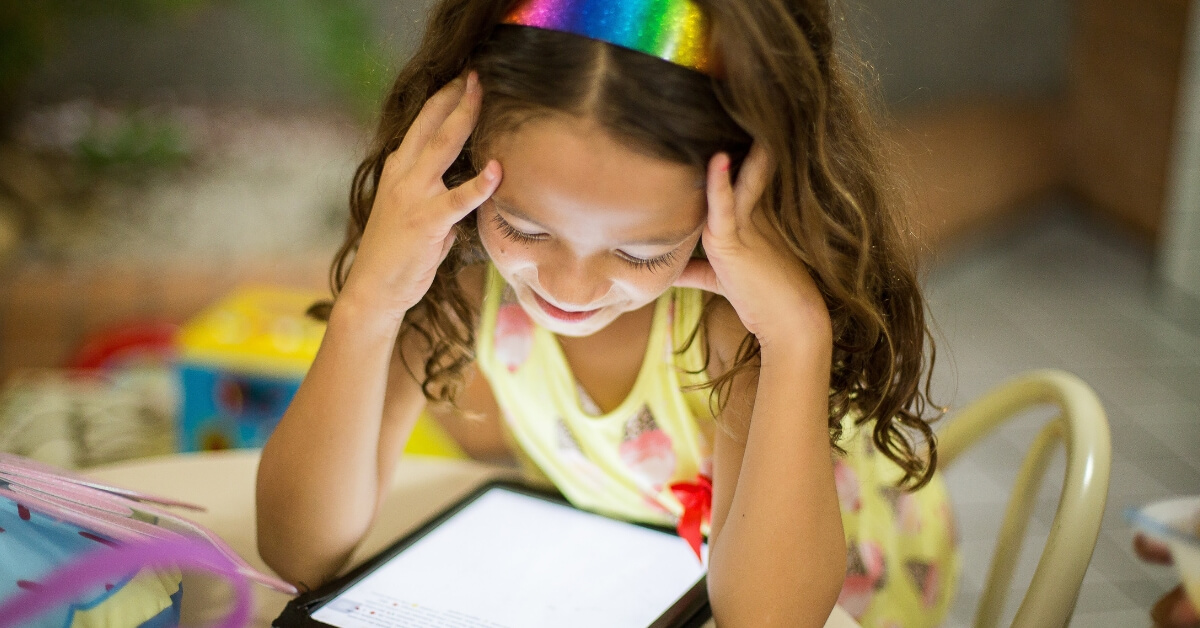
903	563
619	463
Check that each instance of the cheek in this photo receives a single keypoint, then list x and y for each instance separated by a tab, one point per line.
643	286
515	260
505	254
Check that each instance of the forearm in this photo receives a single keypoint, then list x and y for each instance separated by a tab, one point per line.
779	558
319	477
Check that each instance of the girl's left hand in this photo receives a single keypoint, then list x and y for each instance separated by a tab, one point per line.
750	264
1174	609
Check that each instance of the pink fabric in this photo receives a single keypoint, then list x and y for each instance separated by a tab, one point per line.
105	563
68	497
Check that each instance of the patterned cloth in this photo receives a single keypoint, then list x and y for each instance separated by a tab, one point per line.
902	564
32	545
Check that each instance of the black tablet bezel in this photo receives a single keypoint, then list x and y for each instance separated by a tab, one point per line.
690	611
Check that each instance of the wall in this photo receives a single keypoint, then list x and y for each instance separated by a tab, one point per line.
1125	66
924	51
932	51
1179	260
223	52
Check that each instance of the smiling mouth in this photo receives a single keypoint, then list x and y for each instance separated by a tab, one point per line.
561	314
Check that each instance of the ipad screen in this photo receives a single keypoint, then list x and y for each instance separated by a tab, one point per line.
516	561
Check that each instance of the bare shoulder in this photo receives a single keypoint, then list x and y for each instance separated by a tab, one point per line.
474	419
724	333
473	282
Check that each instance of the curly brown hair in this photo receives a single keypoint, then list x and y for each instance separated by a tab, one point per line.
832	198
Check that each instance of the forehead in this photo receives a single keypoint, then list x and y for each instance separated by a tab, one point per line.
560	169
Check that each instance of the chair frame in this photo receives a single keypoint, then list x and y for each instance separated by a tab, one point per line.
1083	428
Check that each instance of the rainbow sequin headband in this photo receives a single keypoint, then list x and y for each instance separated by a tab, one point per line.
673	30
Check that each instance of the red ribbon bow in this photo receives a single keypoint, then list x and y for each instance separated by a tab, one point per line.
696	498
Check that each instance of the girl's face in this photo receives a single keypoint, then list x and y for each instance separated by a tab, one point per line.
584	229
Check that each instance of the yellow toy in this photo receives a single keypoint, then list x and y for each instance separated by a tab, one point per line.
240	362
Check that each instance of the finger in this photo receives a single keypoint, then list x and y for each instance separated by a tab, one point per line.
720	197
1150	550
699	274
433	113
1174	609
465	198
1185	613
752	180
447	143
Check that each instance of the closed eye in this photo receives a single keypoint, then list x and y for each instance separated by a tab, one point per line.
512	233
652	264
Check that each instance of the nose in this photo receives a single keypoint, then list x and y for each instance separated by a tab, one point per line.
572	284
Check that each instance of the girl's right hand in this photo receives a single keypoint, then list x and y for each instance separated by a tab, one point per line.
411	227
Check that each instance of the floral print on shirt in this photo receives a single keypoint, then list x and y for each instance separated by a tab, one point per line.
573	454
647	451
866	573
925	577
514	332
906	509
847	484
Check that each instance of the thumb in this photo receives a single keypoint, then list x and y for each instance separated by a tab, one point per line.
699	273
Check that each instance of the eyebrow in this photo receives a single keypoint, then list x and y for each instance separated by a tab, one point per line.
662	240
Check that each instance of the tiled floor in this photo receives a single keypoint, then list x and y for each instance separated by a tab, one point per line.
1059	290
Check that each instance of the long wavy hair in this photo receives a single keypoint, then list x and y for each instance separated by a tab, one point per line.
783	84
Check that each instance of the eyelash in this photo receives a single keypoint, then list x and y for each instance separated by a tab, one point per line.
653	264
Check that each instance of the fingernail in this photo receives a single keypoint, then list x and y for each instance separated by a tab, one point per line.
472	82
489	172
725	165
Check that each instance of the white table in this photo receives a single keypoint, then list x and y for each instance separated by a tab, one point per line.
223	482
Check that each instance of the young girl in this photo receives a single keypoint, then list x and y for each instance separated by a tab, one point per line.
646	248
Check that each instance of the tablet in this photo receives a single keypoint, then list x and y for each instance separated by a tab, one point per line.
507	556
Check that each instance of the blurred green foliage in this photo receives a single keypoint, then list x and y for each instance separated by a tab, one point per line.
24	37
134	143
338	39
31	29
335	36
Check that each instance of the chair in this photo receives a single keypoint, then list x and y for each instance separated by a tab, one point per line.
1083	428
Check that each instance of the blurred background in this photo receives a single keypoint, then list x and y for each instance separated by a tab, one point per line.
155	155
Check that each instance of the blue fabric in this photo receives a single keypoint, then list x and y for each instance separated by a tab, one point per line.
169	617
32	545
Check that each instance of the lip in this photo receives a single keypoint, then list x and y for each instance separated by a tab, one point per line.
560	314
